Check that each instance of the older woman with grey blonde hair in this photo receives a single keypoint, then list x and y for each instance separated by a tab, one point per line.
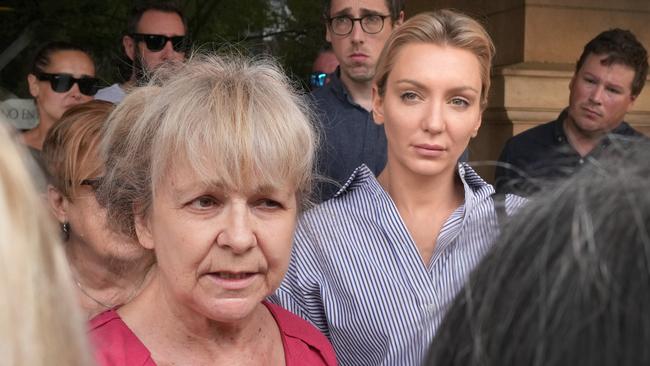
40	322
209	171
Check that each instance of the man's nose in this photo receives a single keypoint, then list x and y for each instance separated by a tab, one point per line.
597	94
357	34
168	50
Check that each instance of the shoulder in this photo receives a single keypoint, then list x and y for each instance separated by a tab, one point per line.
624	129
325	98
304	344
115	343
113	94
541	134
321	93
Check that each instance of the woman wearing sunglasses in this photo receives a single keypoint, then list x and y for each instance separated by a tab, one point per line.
62	75
108	268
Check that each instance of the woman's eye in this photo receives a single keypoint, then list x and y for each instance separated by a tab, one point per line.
269	204
590	81
461	102
408	96
203	202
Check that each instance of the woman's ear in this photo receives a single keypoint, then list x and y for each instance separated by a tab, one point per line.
478	125
377	106
58	204
34	87
143	230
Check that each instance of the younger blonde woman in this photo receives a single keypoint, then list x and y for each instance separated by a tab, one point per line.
376	267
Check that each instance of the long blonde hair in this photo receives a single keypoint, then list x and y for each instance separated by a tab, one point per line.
40	322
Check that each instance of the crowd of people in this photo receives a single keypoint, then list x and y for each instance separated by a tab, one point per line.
209	212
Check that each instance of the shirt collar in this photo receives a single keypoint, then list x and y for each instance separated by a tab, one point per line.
475	188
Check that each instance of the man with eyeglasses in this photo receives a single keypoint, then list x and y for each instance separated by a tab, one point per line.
357	31
156	34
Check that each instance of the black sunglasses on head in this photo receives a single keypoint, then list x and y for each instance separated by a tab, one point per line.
61	83
156	42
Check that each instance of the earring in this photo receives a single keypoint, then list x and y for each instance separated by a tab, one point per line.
65	229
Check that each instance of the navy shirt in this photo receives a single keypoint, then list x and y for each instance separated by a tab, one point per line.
349	137
543	154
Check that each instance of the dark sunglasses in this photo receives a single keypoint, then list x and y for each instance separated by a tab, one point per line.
92	182
317	79
156	42
61	83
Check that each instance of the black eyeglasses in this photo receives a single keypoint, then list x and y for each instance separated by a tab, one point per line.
371	24
156	42
61	83
92	182
317	79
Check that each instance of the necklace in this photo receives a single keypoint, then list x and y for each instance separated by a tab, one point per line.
110	306
103	304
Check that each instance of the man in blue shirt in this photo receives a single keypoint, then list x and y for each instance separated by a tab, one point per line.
357	31
610	74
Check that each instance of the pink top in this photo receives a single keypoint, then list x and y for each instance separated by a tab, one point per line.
116	345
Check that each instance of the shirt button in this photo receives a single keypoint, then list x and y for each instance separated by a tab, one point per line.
581	161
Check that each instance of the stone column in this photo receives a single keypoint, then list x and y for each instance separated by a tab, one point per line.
538	43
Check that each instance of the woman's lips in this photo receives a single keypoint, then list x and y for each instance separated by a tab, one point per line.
429	150
233	280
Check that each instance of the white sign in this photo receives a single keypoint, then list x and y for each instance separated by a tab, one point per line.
19	112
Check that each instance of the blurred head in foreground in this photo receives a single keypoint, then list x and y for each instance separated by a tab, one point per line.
568	281
40	323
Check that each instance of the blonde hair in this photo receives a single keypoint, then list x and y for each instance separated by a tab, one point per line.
40	322
70	150
230	118
443	27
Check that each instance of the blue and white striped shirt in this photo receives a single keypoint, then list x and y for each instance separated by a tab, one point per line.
357	275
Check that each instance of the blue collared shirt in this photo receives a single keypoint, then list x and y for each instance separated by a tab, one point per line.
350	136
356	273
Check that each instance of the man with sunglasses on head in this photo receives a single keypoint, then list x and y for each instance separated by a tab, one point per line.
156	34
357	31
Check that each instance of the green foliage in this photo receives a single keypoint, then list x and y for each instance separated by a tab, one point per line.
292	32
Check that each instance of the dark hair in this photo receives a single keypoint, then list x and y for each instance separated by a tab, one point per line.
44	54
394	8
164	6
621	47
568	281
